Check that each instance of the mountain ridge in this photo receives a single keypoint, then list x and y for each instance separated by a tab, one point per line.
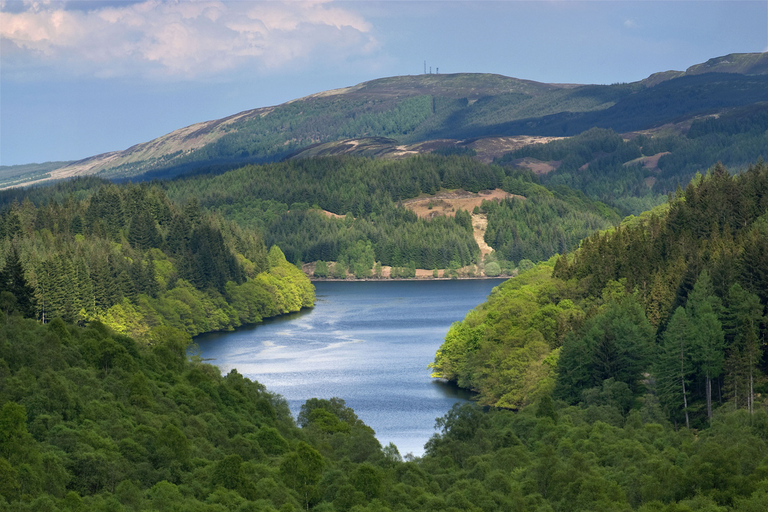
418	108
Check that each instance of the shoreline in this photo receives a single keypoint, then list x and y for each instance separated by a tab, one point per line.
385	279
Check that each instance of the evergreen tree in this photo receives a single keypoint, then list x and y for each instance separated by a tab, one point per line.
12	225
673	366
614	344
103	282
84	286
178	236
143	233
43	290
150	277
76	226
704	308
12	280
743	318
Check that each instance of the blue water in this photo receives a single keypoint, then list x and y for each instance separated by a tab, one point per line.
366	342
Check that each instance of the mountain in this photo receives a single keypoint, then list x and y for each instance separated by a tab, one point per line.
459	108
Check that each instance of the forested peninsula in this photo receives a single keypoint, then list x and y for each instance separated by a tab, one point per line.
130	258
667	308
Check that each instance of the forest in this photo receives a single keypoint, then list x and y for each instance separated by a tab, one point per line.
625	374
606	167
142	265
599	175
669	306
284	200
94	420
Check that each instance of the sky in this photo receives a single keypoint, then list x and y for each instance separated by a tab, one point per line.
79	78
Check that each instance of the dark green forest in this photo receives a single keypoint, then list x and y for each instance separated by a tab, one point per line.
92	420
544	222
130	258
669	306
366	191
626	374
605	166
283	201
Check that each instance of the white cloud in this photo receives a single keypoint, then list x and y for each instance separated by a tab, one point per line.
177	38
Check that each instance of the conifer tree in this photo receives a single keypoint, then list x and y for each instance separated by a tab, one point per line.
741	325
84	285
142	233
76	226
703	308
12	280
177	239
673	366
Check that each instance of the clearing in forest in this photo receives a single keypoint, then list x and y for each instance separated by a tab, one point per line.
448	202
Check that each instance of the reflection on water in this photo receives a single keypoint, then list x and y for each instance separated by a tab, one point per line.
366	342
451	390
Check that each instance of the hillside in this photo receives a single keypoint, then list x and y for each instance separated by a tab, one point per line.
127	257
379	206
666	307
739	63
93	420
414	109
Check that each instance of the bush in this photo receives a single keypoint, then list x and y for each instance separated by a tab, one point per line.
492	269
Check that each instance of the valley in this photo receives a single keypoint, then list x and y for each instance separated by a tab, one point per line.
244	314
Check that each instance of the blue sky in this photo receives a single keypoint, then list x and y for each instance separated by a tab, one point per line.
86	77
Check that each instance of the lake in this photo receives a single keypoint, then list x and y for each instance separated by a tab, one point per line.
368	343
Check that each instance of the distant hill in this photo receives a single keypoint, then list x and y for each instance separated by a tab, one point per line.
738	63
12	175
458	109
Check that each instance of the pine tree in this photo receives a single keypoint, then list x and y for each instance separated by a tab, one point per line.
178	236
703	308
84	286
12	280
741	325
143	233
673	366
12	225
76	226
42	290
103	284
64	297
150	277
138	275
